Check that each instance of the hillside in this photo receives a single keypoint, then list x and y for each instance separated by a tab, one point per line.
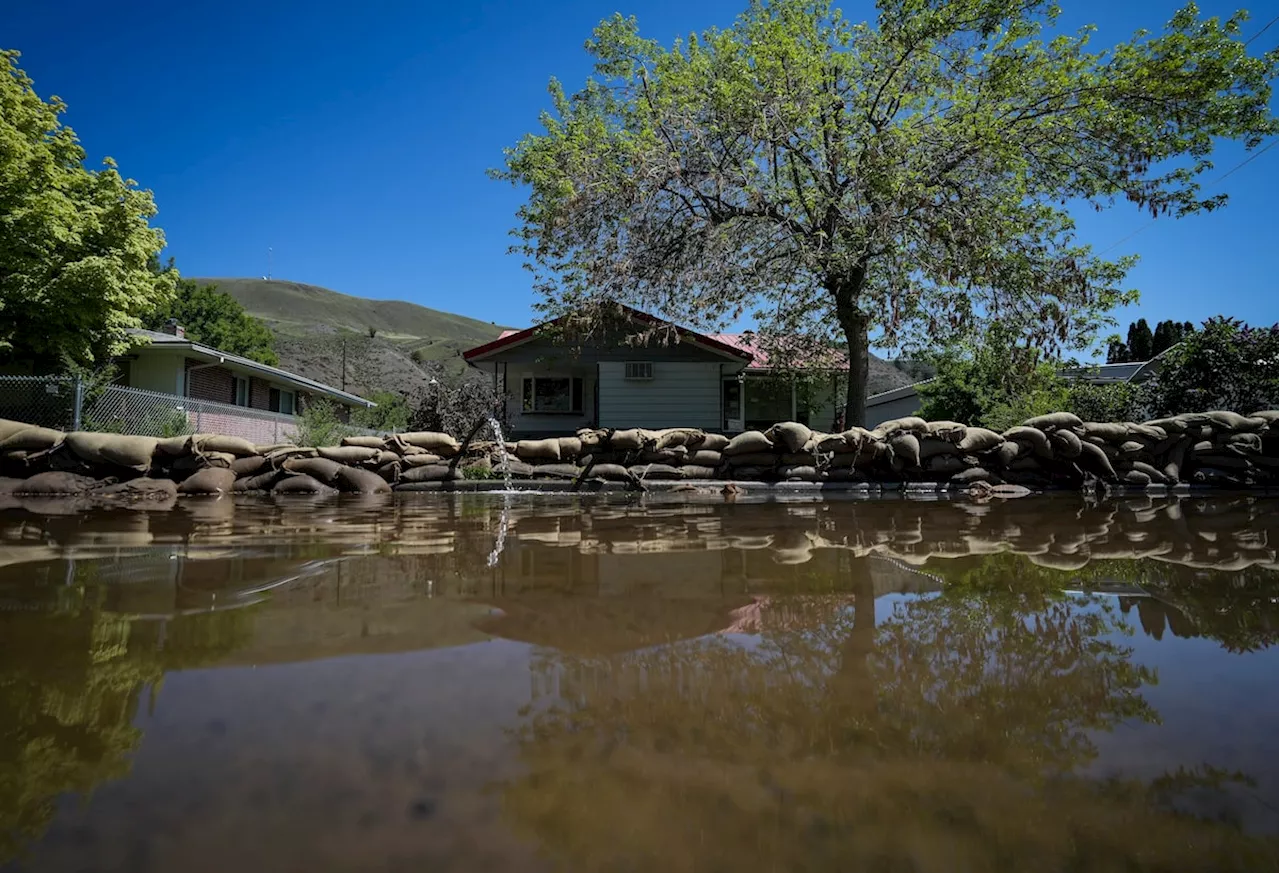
313	325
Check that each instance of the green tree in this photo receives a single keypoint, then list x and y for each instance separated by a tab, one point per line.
216	319
1164	336
1117	352
1139	340
391	413
319	425
997	384
75	244
901	182
1225	365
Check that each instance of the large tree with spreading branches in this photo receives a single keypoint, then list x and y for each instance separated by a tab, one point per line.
887	182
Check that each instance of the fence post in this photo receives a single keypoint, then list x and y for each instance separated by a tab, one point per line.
77	402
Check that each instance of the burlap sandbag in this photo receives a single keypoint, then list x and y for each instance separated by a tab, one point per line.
33	439
704	458
1094	460
438	443
301	483
155	493
609	473
215	442
250	465
353	480
513	467
1270	416
432	473
1065	444
977	440
799	473
8	427
1148	432
630	439
790	435
1032	436
674	456
1153	474
55	483
829	443
601	456
1053	421
176	446
210	480
538	450
321	469
349	454
259	481
845	474
748	442
209	459
911	423
592	437
133	452
420	460
384	456
950	431
660	472
277	457
678	436
390	472
751	459
906	446
556	471
1106	430
365	442
570	448
801	458
1245	443
1223	460
713	442
1133	448
1137	478
1233	422
753	474
975	474
697	471
931	447
947	463
1174	460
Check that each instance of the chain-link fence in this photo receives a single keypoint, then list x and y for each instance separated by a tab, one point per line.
49	401
150	413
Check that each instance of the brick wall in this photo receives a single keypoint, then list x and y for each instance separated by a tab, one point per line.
259	394
210	383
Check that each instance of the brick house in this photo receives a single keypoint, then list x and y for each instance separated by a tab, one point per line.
171	363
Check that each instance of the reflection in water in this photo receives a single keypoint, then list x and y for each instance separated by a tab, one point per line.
843	685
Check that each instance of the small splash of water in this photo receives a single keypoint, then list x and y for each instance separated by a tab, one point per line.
504	520
502	453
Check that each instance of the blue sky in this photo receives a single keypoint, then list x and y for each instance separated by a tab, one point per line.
353	139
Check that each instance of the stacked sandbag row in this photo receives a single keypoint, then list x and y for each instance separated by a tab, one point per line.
631	455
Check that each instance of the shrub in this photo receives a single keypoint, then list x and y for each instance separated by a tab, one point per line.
319	425
455	403
1119	402
391	413
1226	365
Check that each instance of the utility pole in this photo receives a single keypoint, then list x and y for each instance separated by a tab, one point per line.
270	261
344	364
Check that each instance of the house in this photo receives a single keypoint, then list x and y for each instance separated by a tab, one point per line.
171	364
718	382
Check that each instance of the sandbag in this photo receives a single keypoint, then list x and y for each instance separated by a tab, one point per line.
748	442
513	467
570	448
215	459
349	454
801	457
33	439
258	482
1065	444
697	471
609	473
1169	425
353	480
1032	436
658	472
713	442
950	431
669	456
55	483
175	446
321	469
8	427
799	473
301	483
156	493
1148	432
1133	448
435	473
1174	460
133	452
947	464
678	436
1136	477
277	457
911	423
845	474
627	440
556	471
933	446
790	435
249	465
978	439
906	446
216	442
1152	473
599	456
384	456
439	443
830	443
210	480
1053	421
1109	431
418	460
538	450
389	472
591	438
975	474
268	448
753	474
1245	442
365	442
1222	420
704	458
1270	416
1094	460
752	459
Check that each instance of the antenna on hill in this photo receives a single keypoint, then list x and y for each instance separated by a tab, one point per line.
270	253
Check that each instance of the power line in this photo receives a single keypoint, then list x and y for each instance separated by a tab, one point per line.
1238	166
1265	28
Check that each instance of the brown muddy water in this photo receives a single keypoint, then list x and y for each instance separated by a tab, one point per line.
436	683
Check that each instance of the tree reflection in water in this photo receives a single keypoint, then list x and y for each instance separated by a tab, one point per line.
952	735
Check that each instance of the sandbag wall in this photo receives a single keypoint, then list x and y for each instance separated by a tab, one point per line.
1220	449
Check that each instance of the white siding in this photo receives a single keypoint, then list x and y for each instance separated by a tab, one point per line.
157	370
679	394
565	424
887	410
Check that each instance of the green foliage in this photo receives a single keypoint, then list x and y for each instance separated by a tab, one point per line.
218	320
75	244
453	403
478	471
904	181
1143	344
1139	340
391	413
1224	365
319	424
997	384
1122	401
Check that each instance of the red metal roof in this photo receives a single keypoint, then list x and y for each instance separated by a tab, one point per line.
832	359
515	337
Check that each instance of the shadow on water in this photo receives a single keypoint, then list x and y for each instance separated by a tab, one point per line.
845	685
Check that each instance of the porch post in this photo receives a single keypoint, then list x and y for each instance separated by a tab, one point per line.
793	398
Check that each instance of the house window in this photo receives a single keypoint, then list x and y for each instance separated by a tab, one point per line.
639	370
552	394
279	400
242	391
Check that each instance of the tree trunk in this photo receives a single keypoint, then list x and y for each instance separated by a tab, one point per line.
854	322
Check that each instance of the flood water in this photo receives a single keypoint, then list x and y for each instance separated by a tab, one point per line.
479	683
